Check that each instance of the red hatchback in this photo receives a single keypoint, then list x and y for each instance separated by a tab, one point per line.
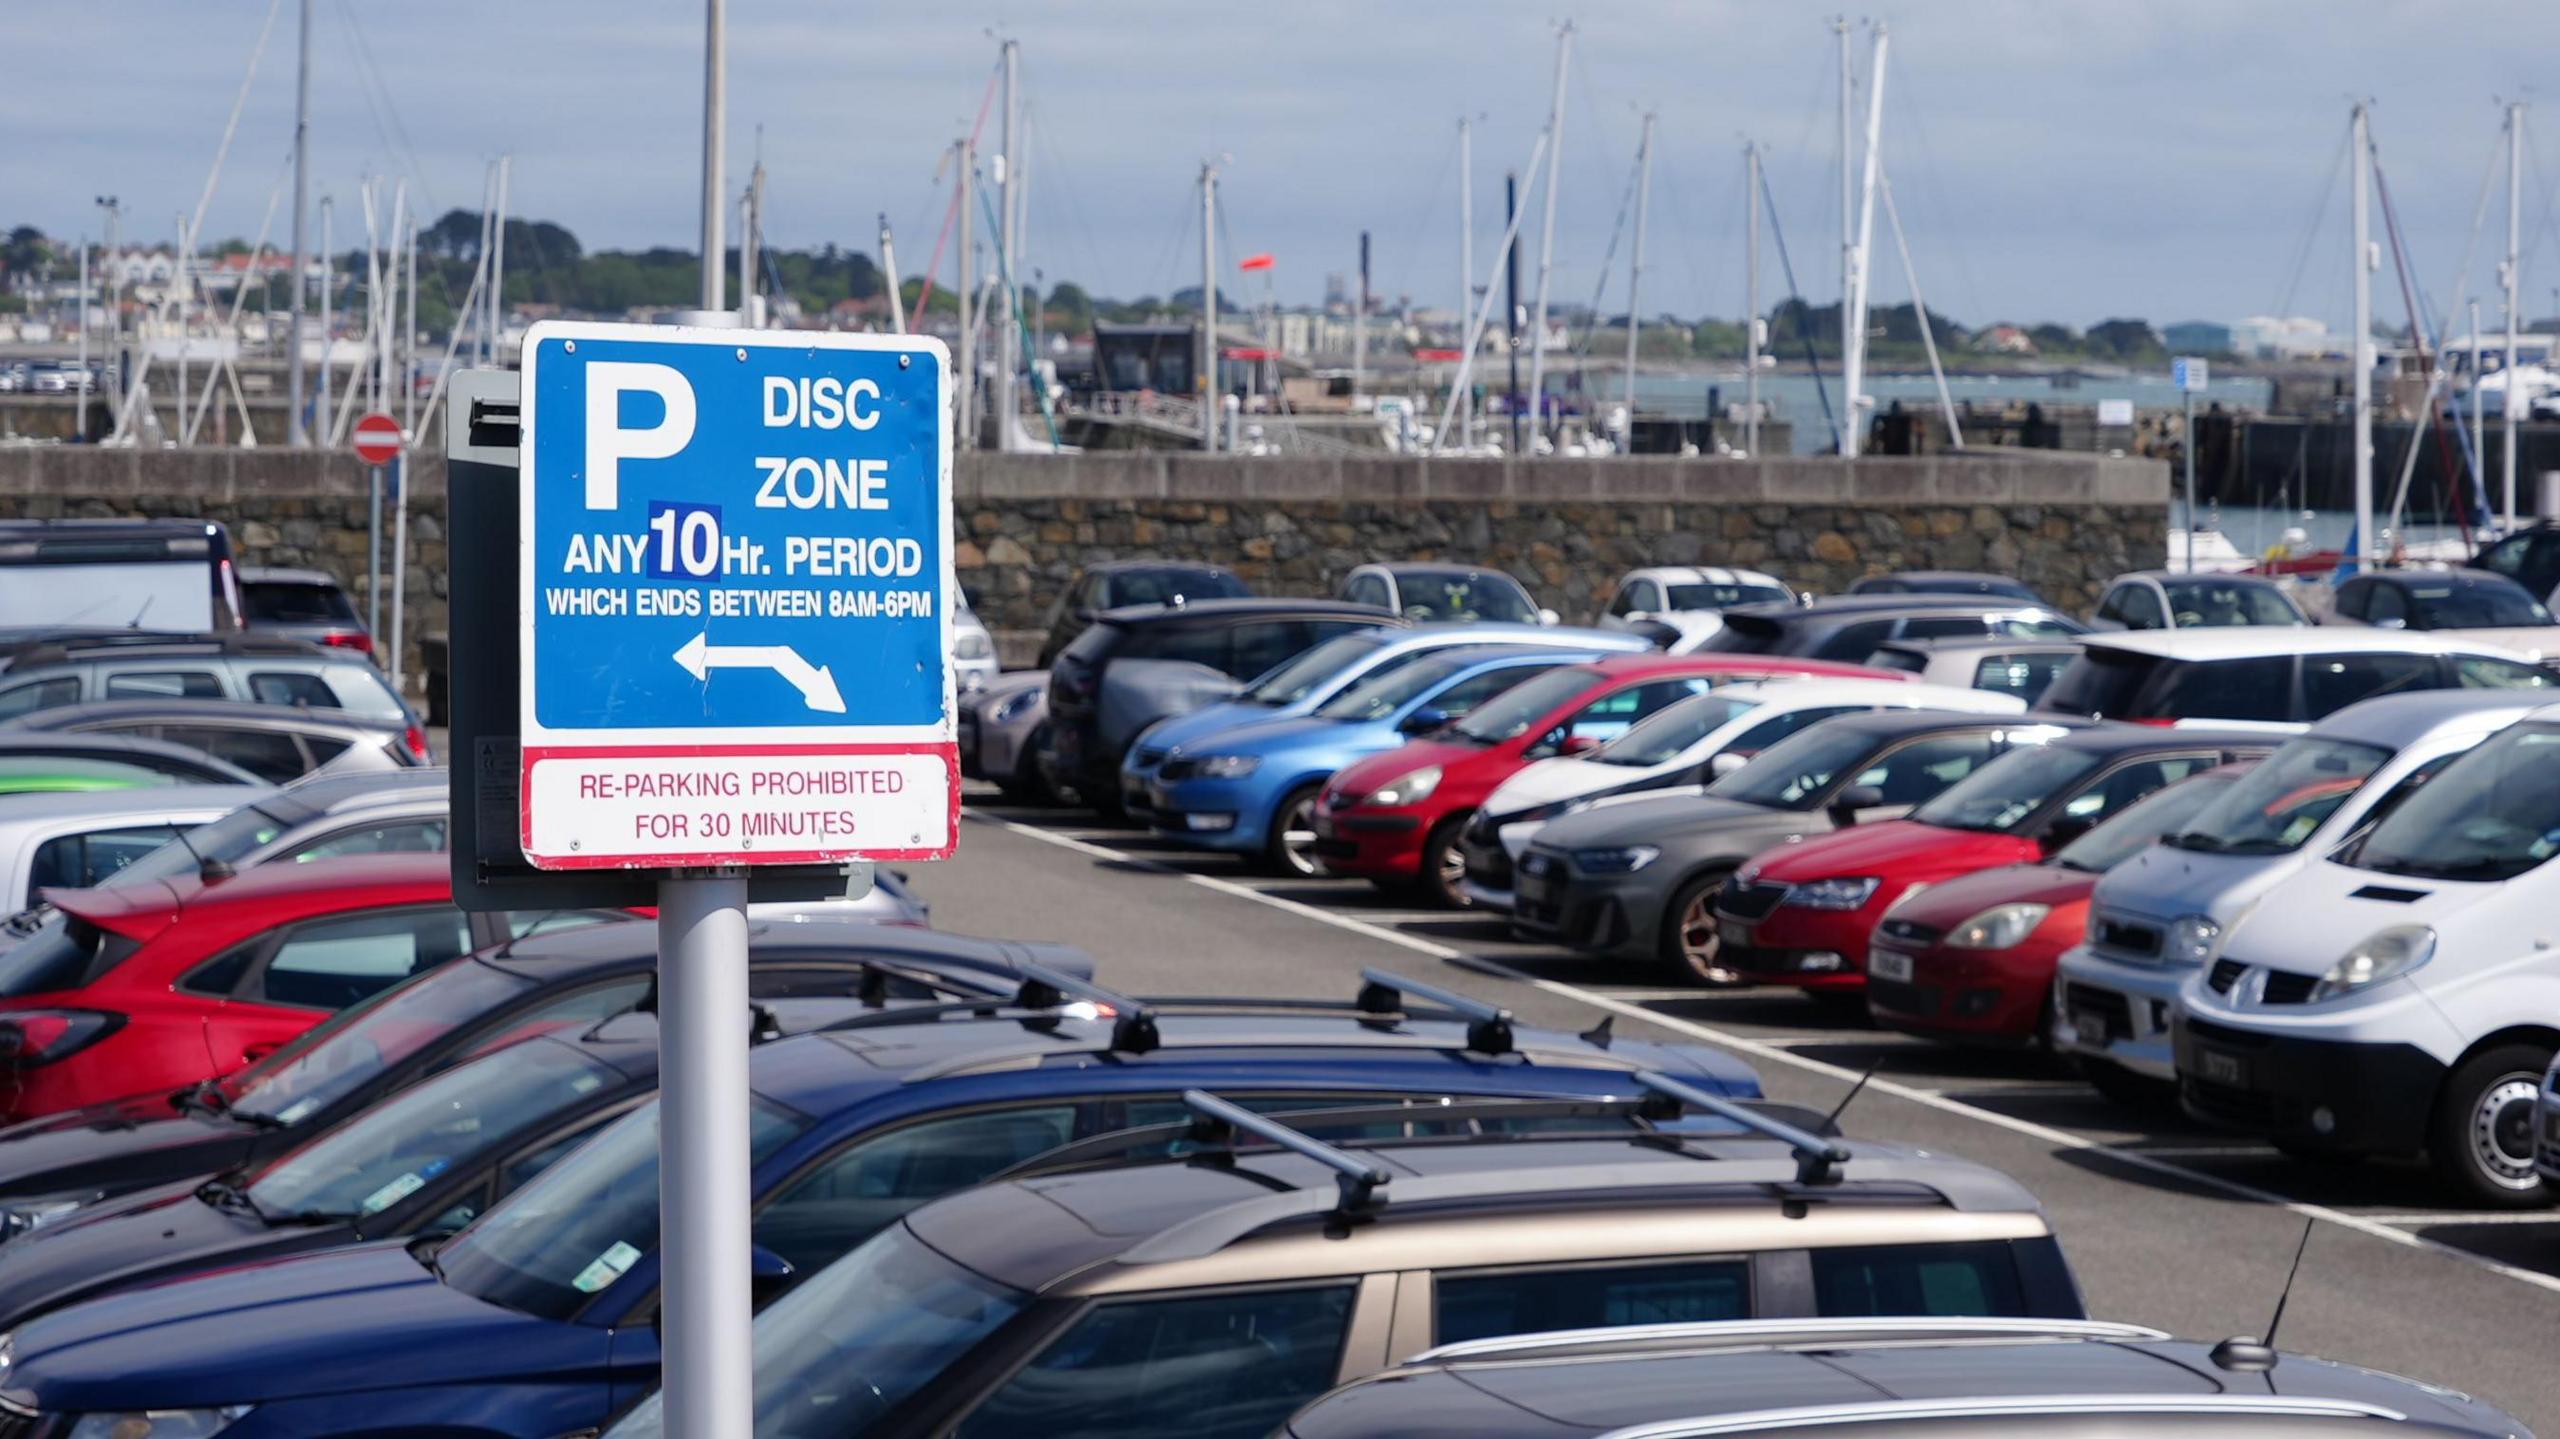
1394	819
1973	959
1804	914
150	988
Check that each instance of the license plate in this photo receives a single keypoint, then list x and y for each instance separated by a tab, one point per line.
2219	1068
1533	887
1889	964
1734	932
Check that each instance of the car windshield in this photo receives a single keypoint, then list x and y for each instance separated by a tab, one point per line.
2283	800
1998	797
1464	597
2140	824
1507	715
394	1149
1299	677
2491	815
1382	695
174	595
339	1057
839	1353
2206	603
1660	738
574	1231
2447	605
230	839
1794	772
1722	597
1168	586
296	602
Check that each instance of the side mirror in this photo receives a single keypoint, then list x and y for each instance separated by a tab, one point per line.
1846	804
1549	617
1718	766
1422	721
768	1273
1577	744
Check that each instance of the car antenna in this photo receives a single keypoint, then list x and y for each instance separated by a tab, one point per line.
1831	1121
1598	1035
2244	1355
208	871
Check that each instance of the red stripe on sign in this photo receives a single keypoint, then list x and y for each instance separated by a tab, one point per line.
948	753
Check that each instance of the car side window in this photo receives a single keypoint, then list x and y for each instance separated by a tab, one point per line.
859	1191
1913	773
2351	599
77	861
1462	698
2332	682
1940	627
332	963
26	699
2141	609
2474	672
284	687
1518	1301
1623	603
2385	604
1857	641
2250	689
1979	1278
1264	646
2507	557
407	836
2112	608
1770	731
1219	1366
269	754
2126	783
1609	716
1368	590
2022	675
164	685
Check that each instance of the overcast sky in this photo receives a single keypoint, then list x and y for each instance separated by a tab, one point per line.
2053	159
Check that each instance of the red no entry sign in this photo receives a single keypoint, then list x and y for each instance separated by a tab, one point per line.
377	439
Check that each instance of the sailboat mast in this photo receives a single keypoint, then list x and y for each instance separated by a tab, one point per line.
2362	340
967	293
1751	304
1853	319
1466	270
296	433
1844	423
1209	398
2515	396
1547	238
1008	348
889	263
1635	264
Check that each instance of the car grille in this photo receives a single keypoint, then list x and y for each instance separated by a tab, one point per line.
2107	1007
1751	901
1173	769
1911	933
2284	987
2128	936
2226	973
2238	1108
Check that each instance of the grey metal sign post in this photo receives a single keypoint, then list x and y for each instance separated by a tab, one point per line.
2190	375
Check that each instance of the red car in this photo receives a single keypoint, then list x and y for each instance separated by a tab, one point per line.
1803	914
1394	818
1973	959
153	987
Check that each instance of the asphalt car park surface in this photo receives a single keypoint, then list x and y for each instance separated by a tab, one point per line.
2167	1223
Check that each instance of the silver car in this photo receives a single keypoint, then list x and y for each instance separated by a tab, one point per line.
73	841
1004	733
277	743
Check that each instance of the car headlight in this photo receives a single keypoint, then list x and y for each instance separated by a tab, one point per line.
1626	859
159	1423
23	1216
1411	788
2189	940
2000	927
1012	705
2383	955
1833	893
1226	766
972	645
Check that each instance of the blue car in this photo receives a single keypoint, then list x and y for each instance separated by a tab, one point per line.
1251	788
539	1320
1318	674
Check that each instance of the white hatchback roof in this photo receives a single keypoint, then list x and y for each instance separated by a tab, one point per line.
2241	642
1701	575
1783	695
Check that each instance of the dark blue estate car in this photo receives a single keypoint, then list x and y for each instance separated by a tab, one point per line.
539	1319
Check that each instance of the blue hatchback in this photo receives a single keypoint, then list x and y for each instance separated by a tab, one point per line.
539	1320
1251	788
1297	687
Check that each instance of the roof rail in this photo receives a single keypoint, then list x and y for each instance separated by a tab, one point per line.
1779	1331
1488	1025
1818	1160
1357	1180
2289	1406
1133	1025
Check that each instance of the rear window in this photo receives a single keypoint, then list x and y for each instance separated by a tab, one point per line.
2102	681
361	690
2255	689
1746	635
1159	587
65	952
1927	1279
293	602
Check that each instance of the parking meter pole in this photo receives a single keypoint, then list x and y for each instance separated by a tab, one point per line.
399	573
373	552
2187	445
703	1156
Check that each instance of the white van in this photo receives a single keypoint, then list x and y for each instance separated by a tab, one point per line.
2402	994
2154	918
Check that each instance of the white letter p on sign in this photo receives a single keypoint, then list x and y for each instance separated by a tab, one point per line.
609	444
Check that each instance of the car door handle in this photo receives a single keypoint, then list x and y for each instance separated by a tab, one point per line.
255	1052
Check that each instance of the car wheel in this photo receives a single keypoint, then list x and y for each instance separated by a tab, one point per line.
1029	782
1688	946
1290	848
2126	1087
2482	1136
1444	864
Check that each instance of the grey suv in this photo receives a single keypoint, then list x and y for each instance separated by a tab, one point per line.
256	669
1851	627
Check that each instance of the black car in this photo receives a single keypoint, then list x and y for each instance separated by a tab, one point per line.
1981	1378
305	605
1117	584
1850	627
578	975
2530	557
2440	600
1238	639
1944	582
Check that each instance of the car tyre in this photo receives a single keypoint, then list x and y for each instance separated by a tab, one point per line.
2481	1137
1444	865
1290	848
1687	947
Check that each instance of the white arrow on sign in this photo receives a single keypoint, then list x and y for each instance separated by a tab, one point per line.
817	687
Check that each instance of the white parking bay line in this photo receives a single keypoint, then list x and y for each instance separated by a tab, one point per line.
2042	1133
2459	1217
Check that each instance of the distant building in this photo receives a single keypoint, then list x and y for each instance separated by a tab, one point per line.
2292	337
2197	337
2005	340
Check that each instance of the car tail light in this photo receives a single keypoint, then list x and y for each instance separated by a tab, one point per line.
416	739
2156	722
356	640
33	1037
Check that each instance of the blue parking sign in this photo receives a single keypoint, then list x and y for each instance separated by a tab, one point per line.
736	571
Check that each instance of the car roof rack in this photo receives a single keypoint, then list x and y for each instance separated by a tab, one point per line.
1892	1411
1042	996
1356	1180
52	647
1818	1160
1488	1026
1741	1332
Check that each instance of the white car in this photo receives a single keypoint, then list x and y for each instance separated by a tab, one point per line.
2155	917
1686	746
2396	996
75	841
973	649
2273	675
1688	599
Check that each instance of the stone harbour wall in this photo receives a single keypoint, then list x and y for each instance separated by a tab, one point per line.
2064	523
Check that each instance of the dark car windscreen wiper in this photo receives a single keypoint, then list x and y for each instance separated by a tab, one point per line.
223	1193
